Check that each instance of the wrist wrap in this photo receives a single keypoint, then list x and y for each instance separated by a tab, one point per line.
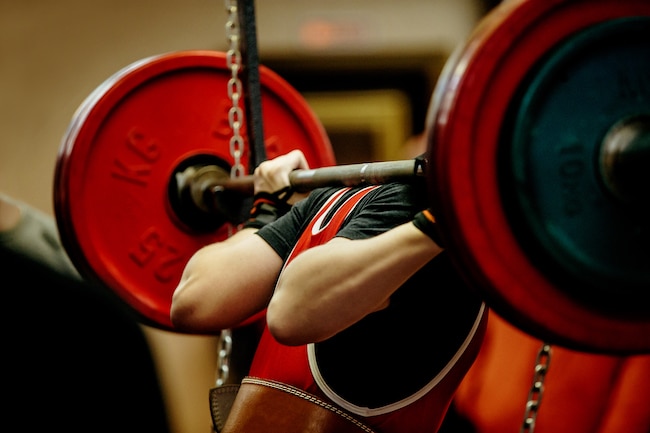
268	207
426	222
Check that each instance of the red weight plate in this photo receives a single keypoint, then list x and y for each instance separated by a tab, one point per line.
466	116
121	150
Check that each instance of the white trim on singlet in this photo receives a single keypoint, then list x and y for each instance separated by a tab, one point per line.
366	411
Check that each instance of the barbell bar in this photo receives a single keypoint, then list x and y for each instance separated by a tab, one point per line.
622	164
622	167
211	189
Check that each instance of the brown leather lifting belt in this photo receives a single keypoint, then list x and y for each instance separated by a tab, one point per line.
266	406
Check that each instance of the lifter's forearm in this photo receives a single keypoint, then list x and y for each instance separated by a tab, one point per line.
225	283
327	288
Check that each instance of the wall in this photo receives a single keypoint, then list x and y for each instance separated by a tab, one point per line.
54	54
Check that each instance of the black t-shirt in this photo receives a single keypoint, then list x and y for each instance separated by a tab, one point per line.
382	209
428	318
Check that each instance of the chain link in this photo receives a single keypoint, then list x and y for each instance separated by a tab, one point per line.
237	146
542	364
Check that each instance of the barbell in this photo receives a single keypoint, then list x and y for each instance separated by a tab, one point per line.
538	147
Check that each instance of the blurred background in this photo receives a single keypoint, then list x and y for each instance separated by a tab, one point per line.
366	67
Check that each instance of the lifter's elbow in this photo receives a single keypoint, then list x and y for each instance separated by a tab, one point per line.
188	314
290	327
285	333
182	313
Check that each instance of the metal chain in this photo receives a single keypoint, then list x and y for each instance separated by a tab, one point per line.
542	364
234	63
235	119
223	357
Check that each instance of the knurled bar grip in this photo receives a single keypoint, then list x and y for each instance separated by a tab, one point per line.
304	180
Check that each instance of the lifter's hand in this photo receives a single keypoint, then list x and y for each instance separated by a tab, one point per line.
273	175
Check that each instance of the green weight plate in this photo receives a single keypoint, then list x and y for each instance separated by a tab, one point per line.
577	230
492	222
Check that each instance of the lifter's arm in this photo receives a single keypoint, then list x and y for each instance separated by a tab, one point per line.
329	287
227	282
